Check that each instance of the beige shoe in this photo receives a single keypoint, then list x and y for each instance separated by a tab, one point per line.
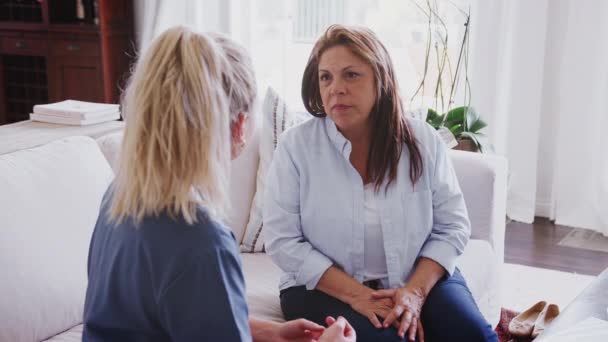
544	319
523	324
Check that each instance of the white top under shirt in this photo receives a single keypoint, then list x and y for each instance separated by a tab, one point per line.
373	245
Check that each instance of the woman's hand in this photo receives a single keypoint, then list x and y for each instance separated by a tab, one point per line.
406	311
371	307
338	331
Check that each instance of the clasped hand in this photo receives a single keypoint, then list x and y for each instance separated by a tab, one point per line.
399	307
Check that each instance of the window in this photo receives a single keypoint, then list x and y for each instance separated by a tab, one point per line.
282	32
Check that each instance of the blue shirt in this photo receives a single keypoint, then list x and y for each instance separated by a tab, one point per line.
314	208
164	281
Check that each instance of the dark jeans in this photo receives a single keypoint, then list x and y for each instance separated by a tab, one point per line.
449	313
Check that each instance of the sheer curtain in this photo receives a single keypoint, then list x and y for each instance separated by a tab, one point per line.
540	79
581	166
154	16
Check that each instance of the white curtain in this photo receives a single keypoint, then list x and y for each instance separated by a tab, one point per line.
154	16
540	77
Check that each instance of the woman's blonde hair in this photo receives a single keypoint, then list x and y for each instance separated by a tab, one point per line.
176	148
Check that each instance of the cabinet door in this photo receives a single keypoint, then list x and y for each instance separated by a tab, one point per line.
75	69
76	78
23	79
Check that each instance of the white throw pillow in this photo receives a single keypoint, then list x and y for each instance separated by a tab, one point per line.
50	198
276	119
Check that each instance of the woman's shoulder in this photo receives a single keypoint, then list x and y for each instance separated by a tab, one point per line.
214	231
303	130
174	234
422	130
427	137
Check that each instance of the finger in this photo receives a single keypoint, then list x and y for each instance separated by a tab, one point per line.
383	293
334	332
372	318
420	331
393	315
412	330
349	331
340	323
405	323
329	320
314	335
305	324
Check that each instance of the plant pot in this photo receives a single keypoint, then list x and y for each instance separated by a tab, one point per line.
465	144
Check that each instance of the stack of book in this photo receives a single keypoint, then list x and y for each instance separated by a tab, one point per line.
72	112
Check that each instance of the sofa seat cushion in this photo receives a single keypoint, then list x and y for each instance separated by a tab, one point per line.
262	284
478	265
262	279
72	335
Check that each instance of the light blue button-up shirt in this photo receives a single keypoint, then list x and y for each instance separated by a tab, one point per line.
314	208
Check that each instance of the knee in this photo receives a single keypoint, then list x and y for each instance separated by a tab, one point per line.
465	329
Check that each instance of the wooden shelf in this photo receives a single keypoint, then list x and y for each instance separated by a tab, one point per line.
62	57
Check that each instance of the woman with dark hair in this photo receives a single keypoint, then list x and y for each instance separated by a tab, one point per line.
363	211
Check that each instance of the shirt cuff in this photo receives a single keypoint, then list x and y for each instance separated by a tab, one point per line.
312	269
442	252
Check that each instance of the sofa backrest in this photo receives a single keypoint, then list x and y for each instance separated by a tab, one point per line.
49	199
482	177
242	177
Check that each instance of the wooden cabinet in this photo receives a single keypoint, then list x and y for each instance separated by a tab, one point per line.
51	51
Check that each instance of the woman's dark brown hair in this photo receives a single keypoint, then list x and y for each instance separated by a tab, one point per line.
390	130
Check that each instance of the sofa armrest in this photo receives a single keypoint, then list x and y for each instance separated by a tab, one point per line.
483	180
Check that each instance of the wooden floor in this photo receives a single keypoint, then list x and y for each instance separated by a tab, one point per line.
537	245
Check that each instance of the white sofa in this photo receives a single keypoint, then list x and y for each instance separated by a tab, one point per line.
49	201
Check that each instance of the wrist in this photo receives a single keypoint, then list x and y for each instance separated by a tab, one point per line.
356	293
419	291
263	331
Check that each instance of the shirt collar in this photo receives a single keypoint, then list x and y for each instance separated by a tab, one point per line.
337	139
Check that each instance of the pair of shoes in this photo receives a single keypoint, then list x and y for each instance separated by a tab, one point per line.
533	321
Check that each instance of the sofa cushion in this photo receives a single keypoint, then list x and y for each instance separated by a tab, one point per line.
110	145
262	279
72	335
477	264
50	201
275	119
262	285
243	171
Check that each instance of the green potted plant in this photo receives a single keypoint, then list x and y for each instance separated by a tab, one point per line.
463	122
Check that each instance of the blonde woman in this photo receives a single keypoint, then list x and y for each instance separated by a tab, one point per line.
364	214
161	265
